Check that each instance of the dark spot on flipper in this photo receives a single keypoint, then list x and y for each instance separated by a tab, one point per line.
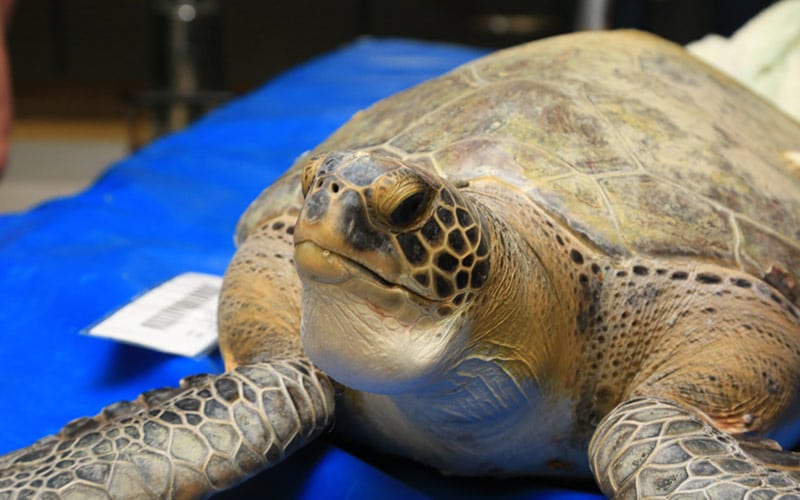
679	275
88	440
95	473
560	240
199	380
81	425
227	389
132	432
576	256
290	230
274	453
708	278
300	367
104	447
33	455
171	417
277	225
59	480
641	270
157	397
741	282
215	409
156	435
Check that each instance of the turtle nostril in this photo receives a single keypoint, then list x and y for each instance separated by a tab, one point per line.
335	187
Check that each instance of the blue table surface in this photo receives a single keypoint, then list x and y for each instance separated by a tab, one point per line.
170	208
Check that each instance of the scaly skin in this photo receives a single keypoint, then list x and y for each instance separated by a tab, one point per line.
209	434
650	448
213	431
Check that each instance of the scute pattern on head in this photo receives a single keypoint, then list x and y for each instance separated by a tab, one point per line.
450	252
374	208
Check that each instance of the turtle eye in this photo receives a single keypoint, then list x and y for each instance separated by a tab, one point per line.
310	172
402	201
409	210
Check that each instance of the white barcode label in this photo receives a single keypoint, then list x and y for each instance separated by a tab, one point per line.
178	317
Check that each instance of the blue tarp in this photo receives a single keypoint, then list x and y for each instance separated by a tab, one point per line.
171	208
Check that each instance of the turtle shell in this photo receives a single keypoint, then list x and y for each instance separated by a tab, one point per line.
625	138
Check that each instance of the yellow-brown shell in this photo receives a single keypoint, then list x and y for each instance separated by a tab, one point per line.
626	138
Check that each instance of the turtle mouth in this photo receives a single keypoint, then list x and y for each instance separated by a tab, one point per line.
326	266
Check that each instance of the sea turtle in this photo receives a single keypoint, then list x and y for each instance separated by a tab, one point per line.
574	256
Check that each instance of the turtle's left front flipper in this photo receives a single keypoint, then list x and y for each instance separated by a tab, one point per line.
186	442
652	448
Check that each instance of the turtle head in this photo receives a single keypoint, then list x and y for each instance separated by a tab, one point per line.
391	257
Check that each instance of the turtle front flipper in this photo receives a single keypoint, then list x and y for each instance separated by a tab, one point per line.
187	442
653	448
214	430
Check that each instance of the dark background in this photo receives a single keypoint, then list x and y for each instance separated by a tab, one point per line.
96	57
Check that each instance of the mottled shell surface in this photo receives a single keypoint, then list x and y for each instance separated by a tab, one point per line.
625	138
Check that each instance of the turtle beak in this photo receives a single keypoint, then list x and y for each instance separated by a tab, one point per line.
320	265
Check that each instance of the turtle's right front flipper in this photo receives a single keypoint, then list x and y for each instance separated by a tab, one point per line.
187	442
652	448
213	431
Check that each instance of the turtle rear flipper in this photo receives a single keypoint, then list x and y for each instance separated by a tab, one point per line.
653	448
187	442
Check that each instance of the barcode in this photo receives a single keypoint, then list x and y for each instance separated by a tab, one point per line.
173	313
